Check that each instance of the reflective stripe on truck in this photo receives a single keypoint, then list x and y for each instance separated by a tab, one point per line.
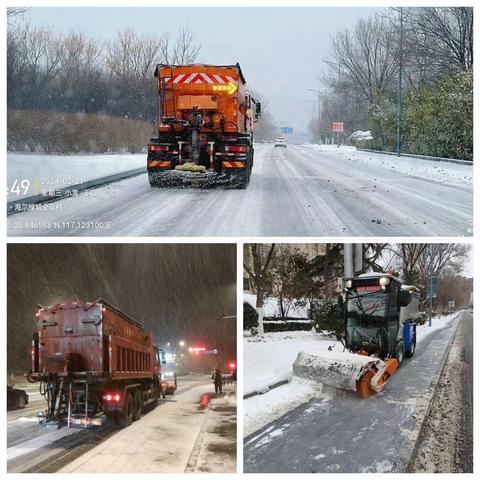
233	164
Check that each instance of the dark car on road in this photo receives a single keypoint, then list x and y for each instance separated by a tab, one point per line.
16	398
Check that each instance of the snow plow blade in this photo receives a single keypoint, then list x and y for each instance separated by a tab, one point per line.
360	373
186	177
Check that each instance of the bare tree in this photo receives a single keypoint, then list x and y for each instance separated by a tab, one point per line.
256	263
80	71
185	50
265	128
130	60
442	36
365	59
415	260
14	13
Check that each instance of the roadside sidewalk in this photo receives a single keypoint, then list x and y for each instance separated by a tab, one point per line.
216	446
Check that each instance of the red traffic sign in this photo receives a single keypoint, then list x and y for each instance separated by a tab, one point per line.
337	127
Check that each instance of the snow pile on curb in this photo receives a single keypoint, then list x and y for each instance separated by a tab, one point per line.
269	359
263	409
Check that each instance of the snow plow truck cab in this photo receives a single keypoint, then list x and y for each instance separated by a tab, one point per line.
205	127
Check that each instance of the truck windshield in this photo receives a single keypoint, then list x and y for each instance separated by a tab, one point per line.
365	315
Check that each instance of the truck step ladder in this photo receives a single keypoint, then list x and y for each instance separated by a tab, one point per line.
77	387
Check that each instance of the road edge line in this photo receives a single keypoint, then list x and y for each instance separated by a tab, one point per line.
66	191
403	462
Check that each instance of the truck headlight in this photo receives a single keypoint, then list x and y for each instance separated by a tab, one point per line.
348	283
384	281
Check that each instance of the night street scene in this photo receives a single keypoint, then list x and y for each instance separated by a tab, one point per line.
121	358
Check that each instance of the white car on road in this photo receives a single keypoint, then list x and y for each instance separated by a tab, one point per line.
281	142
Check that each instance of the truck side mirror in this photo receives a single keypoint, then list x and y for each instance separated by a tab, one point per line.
403	298
258	111
163	358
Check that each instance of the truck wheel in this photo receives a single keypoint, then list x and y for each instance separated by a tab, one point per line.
400	352
243	179
410	353
20	401
137	405
125	417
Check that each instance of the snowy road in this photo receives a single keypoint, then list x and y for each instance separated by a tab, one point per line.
348	434
298	191
161	441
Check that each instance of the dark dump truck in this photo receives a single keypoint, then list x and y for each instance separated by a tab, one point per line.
89	358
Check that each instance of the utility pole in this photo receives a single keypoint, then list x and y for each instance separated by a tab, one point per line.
312	117
399	90
430	286
338	104
316	119
352	259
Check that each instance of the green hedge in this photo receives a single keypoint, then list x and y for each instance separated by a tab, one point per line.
327	318
286	325
437	120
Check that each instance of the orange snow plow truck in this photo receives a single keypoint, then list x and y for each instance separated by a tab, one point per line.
205	127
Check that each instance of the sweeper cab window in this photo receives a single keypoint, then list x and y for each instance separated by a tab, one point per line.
371	313
366	313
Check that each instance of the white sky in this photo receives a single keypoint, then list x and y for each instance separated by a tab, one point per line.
280	50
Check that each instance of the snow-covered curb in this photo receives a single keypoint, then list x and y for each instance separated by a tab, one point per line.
269	359
17	206
260	410
58	171
447	173
407	452
216	447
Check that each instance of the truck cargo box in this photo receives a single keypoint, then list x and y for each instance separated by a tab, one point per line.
93	337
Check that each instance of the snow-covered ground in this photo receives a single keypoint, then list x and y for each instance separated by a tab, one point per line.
444	172
160	442
50	172
296	192
163	440
272	309
269	359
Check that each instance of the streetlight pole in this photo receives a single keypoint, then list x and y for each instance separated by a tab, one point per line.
316	119
430	286
399	90
312	114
